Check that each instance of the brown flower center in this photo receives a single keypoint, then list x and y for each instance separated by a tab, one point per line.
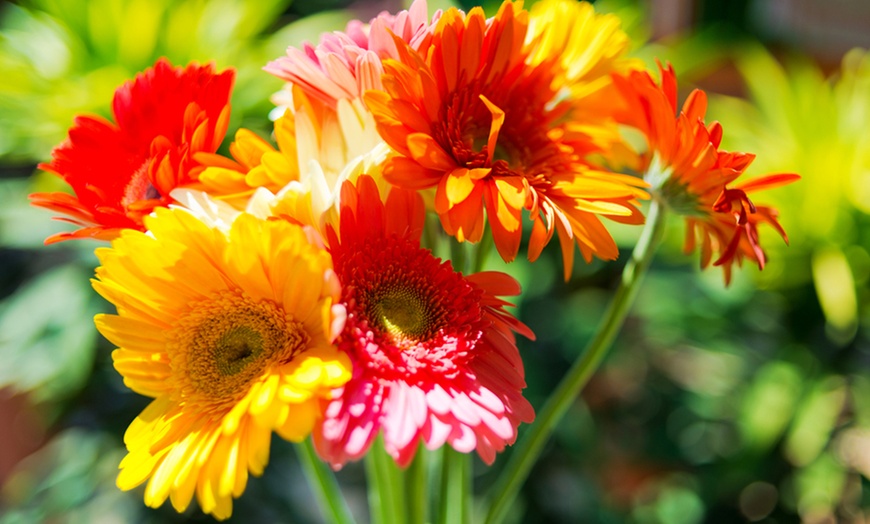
225	343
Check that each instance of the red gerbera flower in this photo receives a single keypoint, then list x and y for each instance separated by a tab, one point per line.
434	353
121	171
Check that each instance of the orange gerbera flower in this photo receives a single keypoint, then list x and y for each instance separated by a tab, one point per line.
121	171
689	173
470	116
254	163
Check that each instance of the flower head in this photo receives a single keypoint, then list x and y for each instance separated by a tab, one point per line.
588	46
318	149
121	171
688	171
471	115
230	333
345	65
434	353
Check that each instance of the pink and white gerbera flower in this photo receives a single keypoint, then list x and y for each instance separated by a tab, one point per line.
345	65
434	354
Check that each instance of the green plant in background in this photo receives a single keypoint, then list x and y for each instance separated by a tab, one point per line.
800	120
771	407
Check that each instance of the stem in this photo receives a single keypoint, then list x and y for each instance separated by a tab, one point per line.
455	486
458	255
529	448
323	483
385	486
431	239
416	480
482	251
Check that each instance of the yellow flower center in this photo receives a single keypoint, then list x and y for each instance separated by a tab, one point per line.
236	348
225	343
403	314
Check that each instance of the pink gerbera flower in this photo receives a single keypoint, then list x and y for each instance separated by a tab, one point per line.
345	65
434	354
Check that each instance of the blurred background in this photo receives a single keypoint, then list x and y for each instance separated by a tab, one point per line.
745	404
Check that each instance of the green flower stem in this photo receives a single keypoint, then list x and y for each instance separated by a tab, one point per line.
527	451
459	255
416	481
385	486
482	251
455	487
324	485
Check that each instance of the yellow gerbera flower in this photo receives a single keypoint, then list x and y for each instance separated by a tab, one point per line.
255	163
231	333
588	46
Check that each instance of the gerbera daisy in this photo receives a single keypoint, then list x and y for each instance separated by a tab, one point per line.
121	171
434	353
469	115
345	65
230	333
589	46
689	173
318	149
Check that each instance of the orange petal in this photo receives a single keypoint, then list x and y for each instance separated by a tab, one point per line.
494	128
505	222
459	185
466	218
768	182
425	150
406	173
695	106
565	241
513	191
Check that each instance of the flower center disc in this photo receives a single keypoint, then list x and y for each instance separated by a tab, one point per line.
403	314
224	344
139	188
237	348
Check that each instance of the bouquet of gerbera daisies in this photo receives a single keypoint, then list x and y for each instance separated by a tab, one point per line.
291	287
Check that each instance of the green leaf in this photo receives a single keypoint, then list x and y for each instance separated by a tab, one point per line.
71	479
47	337
819	487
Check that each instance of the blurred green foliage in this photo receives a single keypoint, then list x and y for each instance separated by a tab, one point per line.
70	480
801	121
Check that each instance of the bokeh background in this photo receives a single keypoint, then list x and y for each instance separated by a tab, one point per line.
742	404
